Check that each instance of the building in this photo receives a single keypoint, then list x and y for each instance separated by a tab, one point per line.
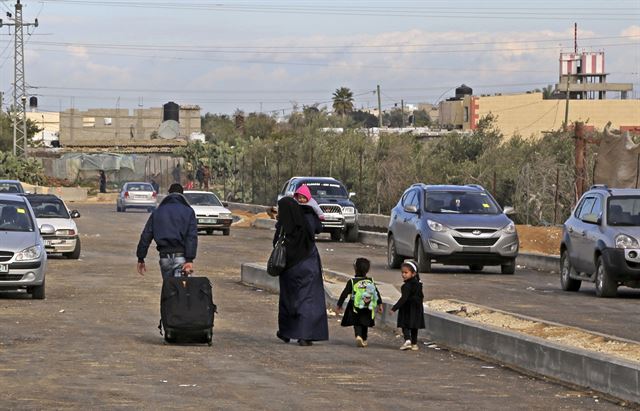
581	75
118	127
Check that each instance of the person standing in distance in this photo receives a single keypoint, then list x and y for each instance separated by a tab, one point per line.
174	228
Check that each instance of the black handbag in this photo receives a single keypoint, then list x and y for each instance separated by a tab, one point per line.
278	258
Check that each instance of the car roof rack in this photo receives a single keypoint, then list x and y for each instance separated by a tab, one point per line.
475	186
599	187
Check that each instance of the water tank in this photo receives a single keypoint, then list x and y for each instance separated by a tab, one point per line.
171	111
33	102
463	90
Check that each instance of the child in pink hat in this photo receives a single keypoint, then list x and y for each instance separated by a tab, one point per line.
303	197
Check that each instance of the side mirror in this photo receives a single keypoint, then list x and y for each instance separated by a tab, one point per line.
411	209
225	204
508	210
47	229
75	214
351	194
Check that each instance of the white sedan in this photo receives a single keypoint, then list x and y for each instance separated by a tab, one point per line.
210	211
50	209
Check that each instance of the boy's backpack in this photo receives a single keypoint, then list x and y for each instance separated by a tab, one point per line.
364	295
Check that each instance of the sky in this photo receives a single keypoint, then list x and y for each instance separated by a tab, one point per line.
273	55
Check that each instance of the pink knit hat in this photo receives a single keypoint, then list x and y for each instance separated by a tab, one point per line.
304	191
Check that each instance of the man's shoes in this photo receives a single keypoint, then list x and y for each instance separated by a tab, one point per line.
414	347
282	337
305	343
360	342
406	345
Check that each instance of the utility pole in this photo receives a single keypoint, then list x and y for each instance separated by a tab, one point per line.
379	108
19	88
402	111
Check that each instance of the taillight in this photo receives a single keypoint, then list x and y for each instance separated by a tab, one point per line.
126	194
154	195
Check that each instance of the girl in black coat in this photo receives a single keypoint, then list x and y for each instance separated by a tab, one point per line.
360	318
410	304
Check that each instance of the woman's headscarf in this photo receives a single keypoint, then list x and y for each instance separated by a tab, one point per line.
299	241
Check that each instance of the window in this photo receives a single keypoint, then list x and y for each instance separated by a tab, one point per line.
14	216
623	211
460	202
139	187
203	199
415	200
408	198
48	207
585	208
597	207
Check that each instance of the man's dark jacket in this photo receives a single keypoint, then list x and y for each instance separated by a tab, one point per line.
174	228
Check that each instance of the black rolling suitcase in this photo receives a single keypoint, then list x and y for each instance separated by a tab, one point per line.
187	310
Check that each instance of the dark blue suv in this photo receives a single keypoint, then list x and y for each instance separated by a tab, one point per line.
453	225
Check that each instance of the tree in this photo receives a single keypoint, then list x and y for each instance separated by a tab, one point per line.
364	119
343	101
547	92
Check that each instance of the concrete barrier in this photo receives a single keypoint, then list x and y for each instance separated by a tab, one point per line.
373	222
264	223
540	262
250	208
68	194
604	373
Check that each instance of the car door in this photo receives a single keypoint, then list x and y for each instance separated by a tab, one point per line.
592	233
577	234
404	233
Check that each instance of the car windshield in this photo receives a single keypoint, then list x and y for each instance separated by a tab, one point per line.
48	208
460	202
328	189
623	211
139	187
14	216
203	199
9	188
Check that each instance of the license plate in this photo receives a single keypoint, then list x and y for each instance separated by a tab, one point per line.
48	243
476	249
208	221
139	197
4	268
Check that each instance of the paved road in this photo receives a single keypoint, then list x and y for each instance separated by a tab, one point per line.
93	344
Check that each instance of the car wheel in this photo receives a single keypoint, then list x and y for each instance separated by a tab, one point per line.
508	267
209	231
606	286
336	235
393	259
118	210
226	231
75	254
37	292
567	283
423	260
476	267
123	209
352	234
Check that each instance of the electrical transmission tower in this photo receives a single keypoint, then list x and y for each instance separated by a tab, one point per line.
19	87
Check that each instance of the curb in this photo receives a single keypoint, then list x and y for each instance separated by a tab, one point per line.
603	373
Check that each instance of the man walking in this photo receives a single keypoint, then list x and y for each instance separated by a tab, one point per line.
173	226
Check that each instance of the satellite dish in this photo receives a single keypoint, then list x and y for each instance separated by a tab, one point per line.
169	129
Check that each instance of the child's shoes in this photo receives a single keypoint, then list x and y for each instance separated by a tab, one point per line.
406	345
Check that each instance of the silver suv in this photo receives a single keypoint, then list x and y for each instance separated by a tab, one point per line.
600	241
452	225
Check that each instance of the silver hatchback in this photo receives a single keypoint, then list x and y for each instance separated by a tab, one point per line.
22	254
137	195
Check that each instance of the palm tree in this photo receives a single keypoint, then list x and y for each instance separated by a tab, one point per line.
547	92
343	101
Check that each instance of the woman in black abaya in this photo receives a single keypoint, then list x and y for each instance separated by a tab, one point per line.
302	311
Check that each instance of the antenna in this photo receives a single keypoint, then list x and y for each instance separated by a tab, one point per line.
575	37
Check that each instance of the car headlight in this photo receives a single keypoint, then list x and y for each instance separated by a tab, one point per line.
509	228
348	210
224	215
435	226
625	241
31	253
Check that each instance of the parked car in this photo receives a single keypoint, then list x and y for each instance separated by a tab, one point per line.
452	225
51	210
341	215
211	213
23	259
601	241
11	187
137	195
